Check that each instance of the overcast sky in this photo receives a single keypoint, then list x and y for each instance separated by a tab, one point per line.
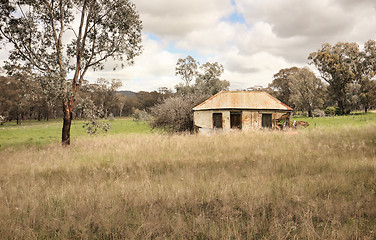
253	39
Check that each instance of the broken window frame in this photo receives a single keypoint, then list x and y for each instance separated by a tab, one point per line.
217	120
233	124
264	123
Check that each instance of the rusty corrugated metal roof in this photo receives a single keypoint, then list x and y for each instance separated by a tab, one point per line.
242	100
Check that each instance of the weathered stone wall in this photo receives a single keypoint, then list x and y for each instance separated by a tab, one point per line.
251	119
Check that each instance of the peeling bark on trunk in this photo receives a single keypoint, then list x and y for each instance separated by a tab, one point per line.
68	105
67	121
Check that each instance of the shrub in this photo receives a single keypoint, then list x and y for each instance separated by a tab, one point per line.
175	114
94	126
331	111
141	115
93	116
318	113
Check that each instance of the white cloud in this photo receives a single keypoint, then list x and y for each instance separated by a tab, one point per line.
275	34
244	71
297	17
153	69
210	40
178	18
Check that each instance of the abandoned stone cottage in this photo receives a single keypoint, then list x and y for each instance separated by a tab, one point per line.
243	110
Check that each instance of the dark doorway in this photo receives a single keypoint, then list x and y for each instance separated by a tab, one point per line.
236	120
266	120
217	120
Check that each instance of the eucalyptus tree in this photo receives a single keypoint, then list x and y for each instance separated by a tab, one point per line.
9	98
368	94
187	69
342	67
61	38
306	90
350	73
206	77
208	80
103	93
368	83
280	84
175	113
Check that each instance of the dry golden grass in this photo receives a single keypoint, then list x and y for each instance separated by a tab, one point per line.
314	185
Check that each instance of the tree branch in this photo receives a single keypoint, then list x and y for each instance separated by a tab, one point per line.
79	48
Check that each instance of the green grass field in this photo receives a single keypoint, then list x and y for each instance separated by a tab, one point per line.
35	133
355	119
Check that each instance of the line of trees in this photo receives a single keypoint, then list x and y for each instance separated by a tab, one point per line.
347	80
24	98
28	96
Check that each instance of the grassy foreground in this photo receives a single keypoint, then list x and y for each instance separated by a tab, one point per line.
272	185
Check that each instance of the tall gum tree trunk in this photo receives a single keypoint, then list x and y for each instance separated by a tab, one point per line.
67	121
18	119
341	107
310	113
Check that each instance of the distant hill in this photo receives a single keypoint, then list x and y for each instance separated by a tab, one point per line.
127	93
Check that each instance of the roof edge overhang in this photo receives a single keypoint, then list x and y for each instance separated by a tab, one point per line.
208	100
288	109
250	109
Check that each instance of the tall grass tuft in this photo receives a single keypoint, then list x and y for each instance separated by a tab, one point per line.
318	184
